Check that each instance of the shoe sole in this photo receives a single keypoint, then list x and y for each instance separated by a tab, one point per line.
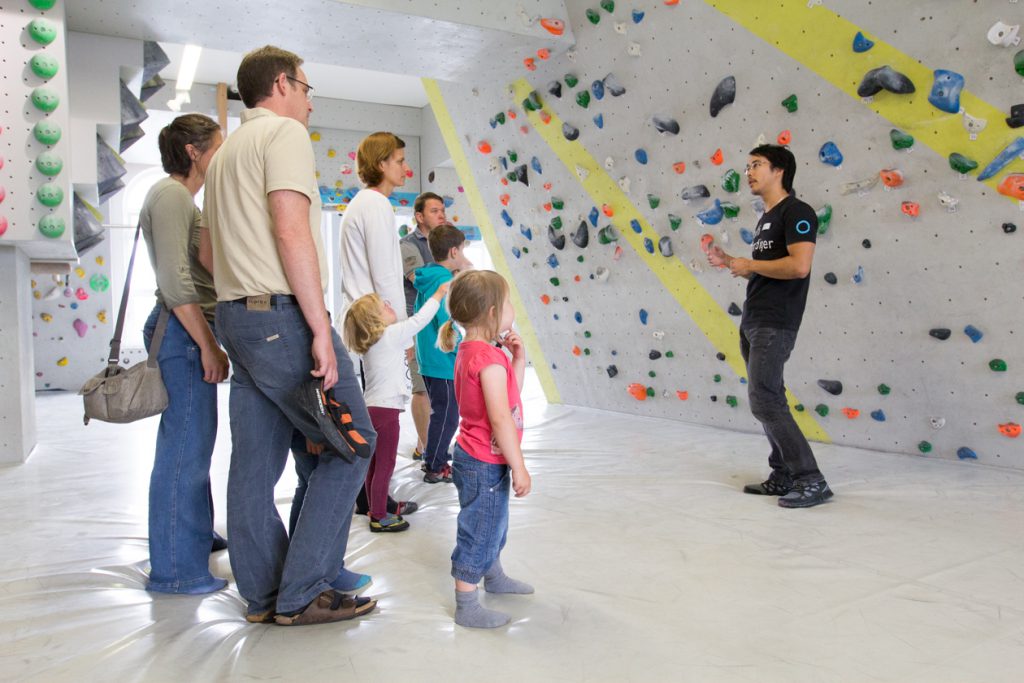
296	620
261	618
393	529
309	397
809	503
758	492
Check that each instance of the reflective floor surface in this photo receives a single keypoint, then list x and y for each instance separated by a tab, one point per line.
649	565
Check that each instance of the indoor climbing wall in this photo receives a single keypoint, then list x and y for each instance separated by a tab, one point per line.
445	181
602	174
336	171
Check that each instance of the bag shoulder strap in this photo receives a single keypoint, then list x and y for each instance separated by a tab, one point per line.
114	358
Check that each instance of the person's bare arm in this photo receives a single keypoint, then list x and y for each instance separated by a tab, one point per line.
205	250
793	267
503	428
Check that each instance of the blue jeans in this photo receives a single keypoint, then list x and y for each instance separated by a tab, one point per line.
444	421
270	355
483	518
180	508
765	351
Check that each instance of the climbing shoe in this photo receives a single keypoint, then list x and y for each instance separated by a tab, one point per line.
805	495
333	418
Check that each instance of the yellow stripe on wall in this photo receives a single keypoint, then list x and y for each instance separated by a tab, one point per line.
709	317
476	204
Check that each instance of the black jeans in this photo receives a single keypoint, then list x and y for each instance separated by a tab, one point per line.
765	351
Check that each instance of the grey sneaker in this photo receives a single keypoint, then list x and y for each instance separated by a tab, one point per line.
769	487
806	495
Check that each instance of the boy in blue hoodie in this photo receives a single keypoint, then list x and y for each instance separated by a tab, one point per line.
447	244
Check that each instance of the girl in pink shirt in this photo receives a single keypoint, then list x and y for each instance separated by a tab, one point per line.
487	453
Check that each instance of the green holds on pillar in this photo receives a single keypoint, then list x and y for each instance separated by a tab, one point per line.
790	103
997	365
556	222
731	400
592	16
44	66
51	226
43	31
583	98
99	282
554	281
42	5
961	164
653	201
45	99
532	102
730	210
608	6
1018	62
731	181
674	221
924	447
49	164
824	218
799	407
821	409
50	194
884	389
47	132
1020	397
606	235
571	80
557	204
901	140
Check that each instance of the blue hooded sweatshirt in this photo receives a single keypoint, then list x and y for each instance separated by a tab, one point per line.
434	362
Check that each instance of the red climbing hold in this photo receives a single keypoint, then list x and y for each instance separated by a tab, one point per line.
1010	429
555	27
679	167
706	241
638	391
547	186
545	299
912	209
484	147
576	351
547	206
545	116
682	395
529	64
851	413
504	199
511	113
607	210
717	158
785	137
891	177
1013	186
618	253
544	53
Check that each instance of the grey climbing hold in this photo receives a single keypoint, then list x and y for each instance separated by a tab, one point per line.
884	78
734	309
940	333
555	88
831	278
581	238
695	192
556	238
720	356
725	94
613	86
665	246
570	131
832	386
611	370
666	125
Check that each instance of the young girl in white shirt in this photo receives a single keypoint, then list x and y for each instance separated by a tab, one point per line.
372	330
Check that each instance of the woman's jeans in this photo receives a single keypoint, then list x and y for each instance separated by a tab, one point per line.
180	507
483	518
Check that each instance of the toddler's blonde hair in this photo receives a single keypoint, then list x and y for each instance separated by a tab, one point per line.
364	325
475	299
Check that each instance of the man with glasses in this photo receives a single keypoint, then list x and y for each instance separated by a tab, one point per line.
779	273
262	208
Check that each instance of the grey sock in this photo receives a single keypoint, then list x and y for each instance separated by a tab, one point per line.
469	612
496	581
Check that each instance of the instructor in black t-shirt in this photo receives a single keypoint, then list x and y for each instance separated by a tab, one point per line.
779	274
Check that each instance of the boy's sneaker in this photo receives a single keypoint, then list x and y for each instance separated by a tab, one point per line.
334	420
388	523
417	454
805	495
772	486
444	475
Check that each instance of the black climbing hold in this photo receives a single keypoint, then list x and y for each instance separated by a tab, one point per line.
666	125
940	333
581	238
831	278
556	238
713	398
665	246
570	131
430	177
612	370
613	86
866	244
555	88
654	355
1009	228
720	356
734	309
884	78
695	192
1016	118
725	93
521	175
832	386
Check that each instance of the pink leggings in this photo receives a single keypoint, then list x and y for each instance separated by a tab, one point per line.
382	464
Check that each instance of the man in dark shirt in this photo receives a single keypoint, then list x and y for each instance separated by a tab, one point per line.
779	275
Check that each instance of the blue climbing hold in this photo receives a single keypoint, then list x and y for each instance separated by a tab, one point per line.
597	87
746	236
553	261
504	162
965	453
861	43
635	224
830	154
638	16
578	317
641	155
878	416
649	245
643	316
712	216
448	201
974	333
535	165
593	216
1011	152
516	252
858	277
945	94
505	217
527	233
599	120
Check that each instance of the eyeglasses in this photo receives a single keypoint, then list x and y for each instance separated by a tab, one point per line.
752	165
309	88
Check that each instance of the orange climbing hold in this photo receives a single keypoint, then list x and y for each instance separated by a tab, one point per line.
504	199
547	186
1010	429
511	113
504	181
671	3
545	116
717	158
544	53
851	413
638	391
912	209
530	64
555	27
545	299
577	278
547	206
484	147
679	167
618	253
706	241
785	137
682	395
576	351
607	210
1013	186
891	177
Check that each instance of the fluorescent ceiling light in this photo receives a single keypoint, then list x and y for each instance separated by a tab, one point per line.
187	70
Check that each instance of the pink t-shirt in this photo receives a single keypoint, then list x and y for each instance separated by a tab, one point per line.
475	428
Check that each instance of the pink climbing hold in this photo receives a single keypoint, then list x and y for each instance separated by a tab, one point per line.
80	327
81	294
3	225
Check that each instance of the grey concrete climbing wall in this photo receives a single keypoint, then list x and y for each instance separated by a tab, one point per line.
620	322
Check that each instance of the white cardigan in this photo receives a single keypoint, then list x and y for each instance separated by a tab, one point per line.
387	384
371	260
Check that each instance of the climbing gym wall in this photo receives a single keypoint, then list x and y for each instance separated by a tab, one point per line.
336	169
600	174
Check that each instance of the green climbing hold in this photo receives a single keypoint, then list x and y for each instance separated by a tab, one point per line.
593	16
44	66
821	409
652	374
571	80
583	98
49	164
961	164
717	378
45	99
731	400
653	201
608	6
824	218
731	181
730	210
554	281
557	204
1018	62
1020	397
51	226
586	352
799	407
650	392
526	250
556	222
99	282
606	235
790	103
587	334
579	259
50	194
513	157
42	5
500	117
42	31
884	389
674	221
924	447
532	102
997	365
901	140
669	354
47	132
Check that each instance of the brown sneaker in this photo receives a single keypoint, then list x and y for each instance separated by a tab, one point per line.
331	605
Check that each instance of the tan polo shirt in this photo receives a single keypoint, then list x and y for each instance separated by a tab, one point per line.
267	153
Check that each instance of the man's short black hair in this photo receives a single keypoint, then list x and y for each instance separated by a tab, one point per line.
779	157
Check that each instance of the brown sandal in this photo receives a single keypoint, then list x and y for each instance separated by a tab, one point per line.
329	606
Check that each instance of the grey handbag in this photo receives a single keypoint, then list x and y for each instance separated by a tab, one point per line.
120	394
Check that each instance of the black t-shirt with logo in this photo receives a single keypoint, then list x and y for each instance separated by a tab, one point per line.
772	302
